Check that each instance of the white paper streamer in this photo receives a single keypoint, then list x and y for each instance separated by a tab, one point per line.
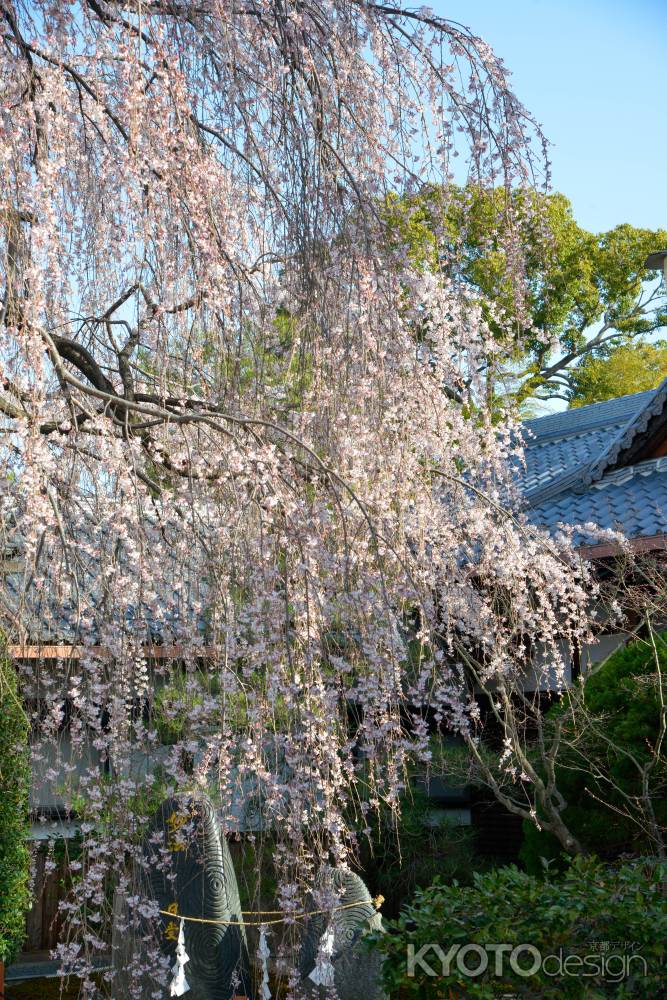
323	973
179	984
263	951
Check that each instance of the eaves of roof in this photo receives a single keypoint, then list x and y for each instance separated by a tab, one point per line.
607	550
623	446
652	405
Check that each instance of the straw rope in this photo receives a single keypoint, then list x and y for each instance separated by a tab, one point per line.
377	903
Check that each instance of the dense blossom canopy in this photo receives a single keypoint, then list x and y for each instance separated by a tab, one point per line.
237	421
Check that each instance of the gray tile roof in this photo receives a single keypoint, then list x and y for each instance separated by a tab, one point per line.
632	500
547	460
612	411
51	614
575	473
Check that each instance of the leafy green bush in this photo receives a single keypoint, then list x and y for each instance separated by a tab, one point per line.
609	735
14	815
608	922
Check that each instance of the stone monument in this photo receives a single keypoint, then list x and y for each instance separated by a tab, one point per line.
189	871
356	969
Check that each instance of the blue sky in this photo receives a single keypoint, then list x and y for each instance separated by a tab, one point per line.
594	74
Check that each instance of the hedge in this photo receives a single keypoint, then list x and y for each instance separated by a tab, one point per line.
15	894
594	931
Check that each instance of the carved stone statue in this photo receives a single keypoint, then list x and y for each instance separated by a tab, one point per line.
190	872
356	970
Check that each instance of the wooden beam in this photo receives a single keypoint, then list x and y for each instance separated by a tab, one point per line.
37	651
646	543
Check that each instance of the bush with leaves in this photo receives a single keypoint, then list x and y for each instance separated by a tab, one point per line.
609	767
14	824
610	921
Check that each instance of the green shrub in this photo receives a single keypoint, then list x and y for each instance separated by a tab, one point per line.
622	700
14	815
612	920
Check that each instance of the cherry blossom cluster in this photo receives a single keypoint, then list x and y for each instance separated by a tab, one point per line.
252	474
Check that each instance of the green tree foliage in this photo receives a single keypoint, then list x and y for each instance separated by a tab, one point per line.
14	785
591	911
625	369
585	290
607	740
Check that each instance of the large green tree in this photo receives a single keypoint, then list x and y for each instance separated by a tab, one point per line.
586	292
630	367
